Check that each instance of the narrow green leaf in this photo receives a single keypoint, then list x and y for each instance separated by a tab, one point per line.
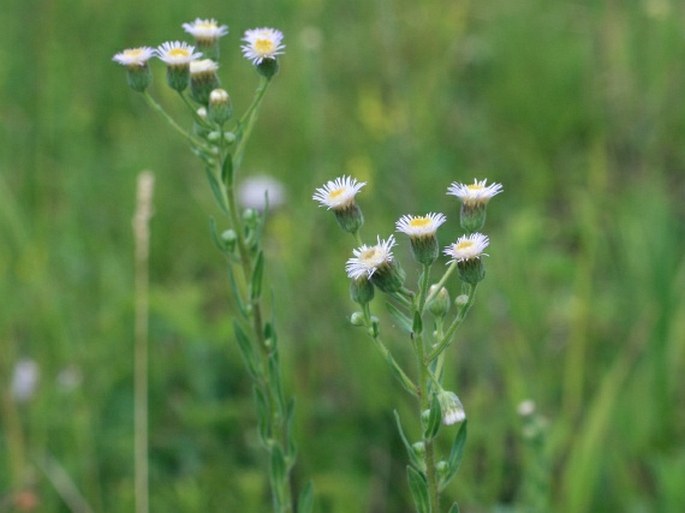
227	170
454	508
262	417
246	350
270	334
216	189
434	419
417	324
305	504
275	383
236	292
277	464
419	489
257	272
456	455
215	235
402	320
413	458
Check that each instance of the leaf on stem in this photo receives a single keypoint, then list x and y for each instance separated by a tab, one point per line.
227	170
419	489
216	189
215	236
456	455
277	465
305	503
257	273
246	350
275	383
454	508
434	419
413	458
262	416
403	321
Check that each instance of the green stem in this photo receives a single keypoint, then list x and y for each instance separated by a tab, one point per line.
156	106
247	121
461	315
441	283
406	382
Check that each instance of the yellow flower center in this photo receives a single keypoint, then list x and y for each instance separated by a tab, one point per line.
179	52
205	25
465	244
134	52
419	222
335	193
264	46
475	187
368	254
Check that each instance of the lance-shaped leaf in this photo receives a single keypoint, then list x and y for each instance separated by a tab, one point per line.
215	235
262	417
246	350
413	457
456	455
275	383
216	189
417	324
227	170
270	336
305	503
277	464
403	321
257	273
434	419
419	489
454	508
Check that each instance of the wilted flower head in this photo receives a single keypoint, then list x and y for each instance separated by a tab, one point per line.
368	259
262	44
203	67
205	31
177	53
477	193
134	57
468	247
451	407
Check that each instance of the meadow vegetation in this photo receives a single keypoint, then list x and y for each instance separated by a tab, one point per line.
575	107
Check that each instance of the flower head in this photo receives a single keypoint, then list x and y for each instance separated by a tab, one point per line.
134	57
177	53
203	67
205	31
477	193
468	247
338	194
262	44
368	259
420	226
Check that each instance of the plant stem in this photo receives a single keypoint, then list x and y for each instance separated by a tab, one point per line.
248	119
156	106
141	231
461	315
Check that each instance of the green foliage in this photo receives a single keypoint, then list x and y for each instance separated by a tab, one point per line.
575	107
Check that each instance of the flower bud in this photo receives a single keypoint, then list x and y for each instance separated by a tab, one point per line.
203	80
357	319
440	304
451	407
471	271
361	290
421	231
389	277
220	108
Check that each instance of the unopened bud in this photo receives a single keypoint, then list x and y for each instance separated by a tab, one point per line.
220	108
357	319
440	304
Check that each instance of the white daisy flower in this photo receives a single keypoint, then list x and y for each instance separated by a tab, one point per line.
367	259
468	247
177	53
205	31
477	193
338	194
132	57
262	43
420	226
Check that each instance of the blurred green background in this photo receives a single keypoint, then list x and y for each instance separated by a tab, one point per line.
575	107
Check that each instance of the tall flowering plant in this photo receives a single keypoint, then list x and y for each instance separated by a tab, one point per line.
219	138
426	314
